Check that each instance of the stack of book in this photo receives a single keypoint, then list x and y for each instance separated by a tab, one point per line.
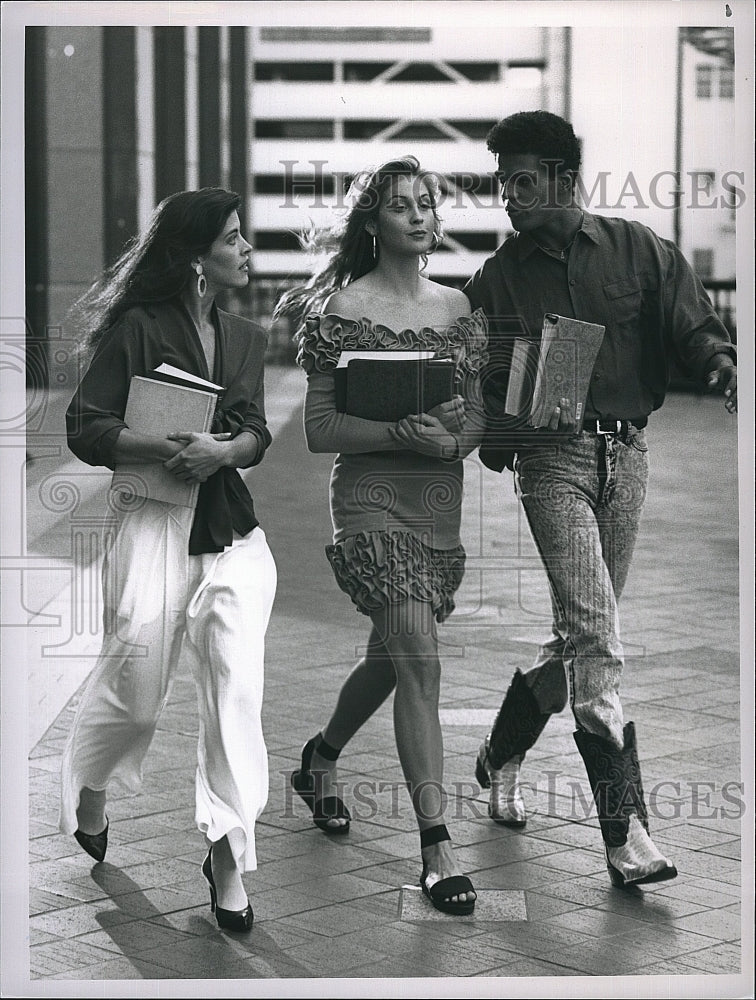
165	402
560	366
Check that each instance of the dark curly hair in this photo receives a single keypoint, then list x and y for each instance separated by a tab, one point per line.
539	133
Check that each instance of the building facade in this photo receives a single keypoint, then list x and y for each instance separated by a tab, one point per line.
119	116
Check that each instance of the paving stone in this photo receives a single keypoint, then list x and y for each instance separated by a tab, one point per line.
573	862
331	908
719	959
214	960
37	936
693	837
275	904
511	848
527	968
663	941
490	906
648	905
398	968
731	849
707	892
42	901
275	937
337	958
118	968
79	920
73	892
136	937
334	920
541	905
345	887
384	907
525	875
719	924
53	957
537	940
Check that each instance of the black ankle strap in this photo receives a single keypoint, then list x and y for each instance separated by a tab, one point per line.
327	751
434	835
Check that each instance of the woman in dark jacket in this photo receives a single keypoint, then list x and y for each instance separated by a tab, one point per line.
201	580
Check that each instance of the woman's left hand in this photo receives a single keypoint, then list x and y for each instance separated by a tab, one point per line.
202	455
425	434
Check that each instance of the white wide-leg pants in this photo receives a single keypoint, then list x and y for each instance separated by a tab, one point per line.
160	603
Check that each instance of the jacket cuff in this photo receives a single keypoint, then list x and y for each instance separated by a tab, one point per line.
263	438
102	451
725	350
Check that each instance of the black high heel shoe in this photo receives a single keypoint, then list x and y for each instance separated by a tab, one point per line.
228	920
303	782
95	844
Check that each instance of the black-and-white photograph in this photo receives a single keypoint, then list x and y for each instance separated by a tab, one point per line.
377	554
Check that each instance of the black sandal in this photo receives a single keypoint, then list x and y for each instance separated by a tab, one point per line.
304	783
440	892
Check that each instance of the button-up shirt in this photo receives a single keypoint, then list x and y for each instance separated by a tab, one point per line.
619	274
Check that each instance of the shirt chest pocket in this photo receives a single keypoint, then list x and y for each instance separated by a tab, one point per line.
630	297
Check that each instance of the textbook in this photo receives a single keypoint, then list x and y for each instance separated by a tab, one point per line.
176	376
166	401
390	385
560	366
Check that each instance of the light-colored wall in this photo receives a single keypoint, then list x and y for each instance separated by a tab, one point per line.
623	109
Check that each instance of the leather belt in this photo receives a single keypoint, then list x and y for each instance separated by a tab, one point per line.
618	428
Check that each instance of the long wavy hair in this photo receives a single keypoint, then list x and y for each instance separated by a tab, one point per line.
347	245
156	265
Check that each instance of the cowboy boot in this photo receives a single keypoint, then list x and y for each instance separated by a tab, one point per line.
518	725
632	858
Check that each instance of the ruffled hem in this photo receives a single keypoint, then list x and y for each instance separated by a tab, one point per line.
324	336
378	568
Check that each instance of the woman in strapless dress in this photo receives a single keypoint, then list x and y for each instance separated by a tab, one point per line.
396	489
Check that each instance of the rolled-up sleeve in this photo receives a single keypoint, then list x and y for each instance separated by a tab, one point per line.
255	422
94	417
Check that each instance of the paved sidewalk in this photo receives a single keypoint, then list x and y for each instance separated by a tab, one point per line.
348	909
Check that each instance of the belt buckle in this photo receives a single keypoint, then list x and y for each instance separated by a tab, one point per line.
617	429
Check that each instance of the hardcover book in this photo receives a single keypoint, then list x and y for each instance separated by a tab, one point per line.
390	385
159	408
559	367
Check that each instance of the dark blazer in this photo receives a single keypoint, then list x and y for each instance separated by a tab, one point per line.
141	340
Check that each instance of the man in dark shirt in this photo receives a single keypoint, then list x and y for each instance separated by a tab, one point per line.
583	493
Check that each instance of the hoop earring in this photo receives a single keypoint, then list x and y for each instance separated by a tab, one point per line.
201	280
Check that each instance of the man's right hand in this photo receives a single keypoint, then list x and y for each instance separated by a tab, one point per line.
724	379
561	418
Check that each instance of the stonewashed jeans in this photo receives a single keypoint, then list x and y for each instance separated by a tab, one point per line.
583	501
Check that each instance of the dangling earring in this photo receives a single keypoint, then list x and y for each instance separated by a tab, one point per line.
201	280
375	248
